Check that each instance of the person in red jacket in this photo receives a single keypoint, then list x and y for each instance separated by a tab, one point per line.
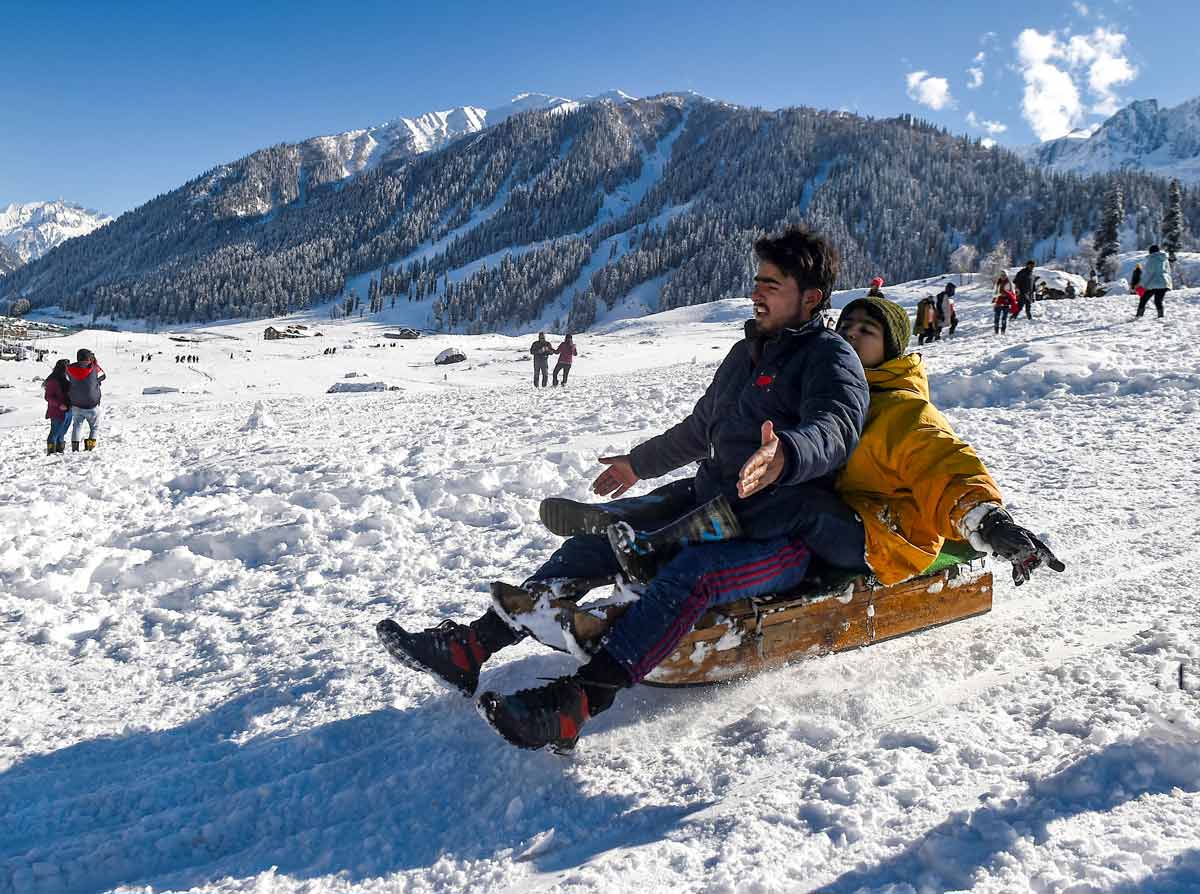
1004	304
566	353
57	408
84	377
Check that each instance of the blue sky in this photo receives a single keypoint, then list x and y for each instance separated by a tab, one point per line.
108	104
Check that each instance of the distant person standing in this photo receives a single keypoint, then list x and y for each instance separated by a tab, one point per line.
947	313
1135	279
566	354
83	393
926	323
1156	279
58	411
1004	304
876	290
1024	286
541	351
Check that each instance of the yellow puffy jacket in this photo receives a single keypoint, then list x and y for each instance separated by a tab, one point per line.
910	479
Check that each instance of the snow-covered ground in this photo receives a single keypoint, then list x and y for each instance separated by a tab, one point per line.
193	696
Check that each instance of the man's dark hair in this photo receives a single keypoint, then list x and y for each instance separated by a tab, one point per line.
84	354
809	259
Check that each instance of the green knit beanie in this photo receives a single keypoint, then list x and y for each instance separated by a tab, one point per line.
891	316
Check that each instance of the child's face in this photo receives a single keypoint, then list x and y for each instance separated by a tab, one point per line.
865	335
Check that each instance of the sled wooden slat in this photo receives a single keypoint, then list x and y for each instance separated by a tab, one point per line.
747	637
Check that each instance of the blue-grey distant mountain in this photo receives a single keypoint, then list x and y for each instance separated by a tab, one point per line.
1141	137
567	212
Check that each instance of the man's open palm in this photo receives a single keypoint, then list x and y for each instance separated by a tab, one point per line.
764	467
617	478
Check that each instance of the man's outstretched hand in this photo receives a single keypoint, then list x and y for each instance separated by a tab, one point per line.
617	478
765	466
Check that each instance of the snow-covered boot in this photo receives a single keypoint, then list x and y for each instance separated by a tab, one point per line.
89	443
641	554
550	716
74	446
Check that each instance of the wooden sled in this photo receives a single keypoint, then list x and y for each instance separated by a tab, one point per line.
830	612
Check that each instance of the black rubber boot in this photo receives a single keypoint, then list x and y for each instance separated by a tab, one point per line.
74	446
641	554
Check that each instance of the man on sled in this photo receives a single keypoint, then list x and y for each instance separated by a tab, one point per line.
781	416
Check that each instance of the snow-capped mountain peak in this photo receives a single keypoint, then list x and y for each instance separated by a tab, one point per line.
31	229
1141	136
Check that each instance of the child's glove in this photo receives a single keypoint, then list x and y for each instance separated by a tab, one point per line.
1008	540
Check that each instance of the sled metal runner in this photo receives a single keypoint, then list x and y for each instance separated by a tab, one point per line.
831	612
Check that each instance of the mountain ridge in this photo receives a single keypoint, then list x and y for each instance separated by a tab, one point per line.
1142	136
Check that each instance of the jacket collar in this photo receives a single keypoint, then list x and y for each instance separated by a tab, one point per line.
904	373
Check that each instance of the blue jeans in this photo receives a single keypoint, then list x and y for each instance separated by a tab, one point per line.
58	429
698	578
78	414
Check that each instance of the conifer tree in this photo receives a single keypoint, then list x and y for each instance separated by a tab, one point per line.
1173	222
1108	240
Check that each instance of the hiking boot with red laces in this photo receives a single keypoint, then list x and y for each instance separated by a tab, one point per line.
549	717
451	652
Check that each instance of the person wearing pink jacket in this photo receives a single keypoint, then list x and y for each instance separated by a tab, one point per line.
566	354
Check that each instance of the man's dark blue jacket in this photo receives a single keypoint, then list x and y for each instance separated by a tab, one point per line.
809	382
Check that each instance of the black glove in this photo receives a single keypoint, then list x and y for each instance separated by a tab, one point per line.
1009	540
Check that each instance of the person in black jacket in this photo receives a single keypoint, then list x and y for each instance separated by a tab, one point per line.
541	351
1023	280
782	414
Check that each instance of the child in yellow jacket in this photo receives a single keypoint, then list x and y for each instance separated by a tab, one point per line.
912	480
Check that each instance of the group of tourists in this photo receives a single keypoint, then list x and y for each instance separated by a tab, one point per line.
542	350
796	438
935	313
72	393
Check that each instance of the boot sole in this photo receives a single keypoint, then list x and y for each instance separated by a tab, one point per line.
570	517
391	636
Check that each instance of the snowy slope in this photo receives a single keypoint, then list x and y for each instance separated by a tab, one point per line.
30	230
194	699
1141	136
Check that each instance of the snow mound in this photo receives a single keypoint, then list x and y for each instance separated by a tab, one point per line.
259	419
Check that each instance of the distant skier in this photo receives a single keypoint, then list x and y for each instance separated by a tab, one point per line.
791	372
1157	280
566	355
876	290
58	410
541	351
85	376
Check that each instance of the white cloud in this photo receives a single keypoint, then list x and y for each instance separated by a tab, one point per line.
987	142
1055	71
929	91
976	78
995	128
1081	8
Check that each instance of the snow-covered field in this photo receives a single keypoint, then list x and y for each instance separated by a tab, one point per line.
193	697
